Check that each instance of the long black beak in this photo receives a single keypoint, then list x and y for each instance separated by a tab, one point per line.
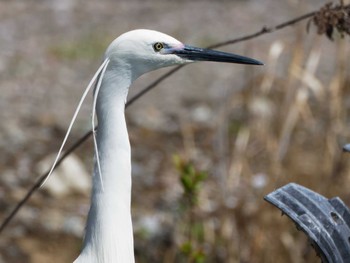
202	54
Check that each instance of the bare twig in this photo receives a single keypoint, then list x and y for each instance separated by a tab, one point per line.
80	141
265	30
41	179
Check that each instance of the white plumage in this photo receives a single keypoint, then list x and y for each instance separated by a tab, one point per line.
109	234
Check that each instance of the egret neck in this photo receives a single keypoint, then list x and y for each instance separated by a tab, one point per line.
109	234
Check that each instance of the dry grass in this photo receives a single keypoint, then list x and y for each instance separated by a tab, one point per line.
285	125
282	127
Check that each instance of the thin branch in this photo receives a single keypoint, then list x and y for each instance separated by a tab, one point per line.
80	141
264	30
153	85
41	179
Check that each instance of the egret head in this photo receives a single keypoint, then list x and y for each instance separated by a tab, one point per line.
145	50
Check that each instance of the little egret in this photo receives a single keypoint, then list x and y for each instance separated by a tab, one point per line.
109	235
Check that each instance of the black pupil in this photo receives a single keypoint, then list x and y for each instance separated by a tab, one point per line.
158	46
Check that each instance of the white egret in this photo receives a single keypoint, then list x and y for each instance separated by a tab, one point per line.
109	235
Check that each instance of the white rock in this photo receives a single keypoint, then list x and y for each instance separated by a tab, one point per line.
259	180
70	177
202	114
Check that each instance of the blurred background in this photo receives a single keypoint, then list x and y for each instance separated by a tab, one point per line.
238	132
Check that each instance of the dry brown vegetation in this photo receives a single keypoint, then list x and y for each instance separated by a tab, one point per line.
287	123
281	129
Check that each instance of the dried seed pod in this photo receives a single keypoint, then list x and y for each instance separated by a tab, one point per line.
332	17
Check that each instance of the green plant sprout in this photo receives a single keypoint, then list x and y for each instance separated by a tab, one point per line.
191	180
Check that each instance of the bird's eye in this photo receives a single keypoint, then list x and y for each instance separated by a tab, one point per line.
158	46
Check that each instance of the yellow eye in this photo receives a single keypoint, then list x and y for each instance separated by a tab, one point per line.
158	46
